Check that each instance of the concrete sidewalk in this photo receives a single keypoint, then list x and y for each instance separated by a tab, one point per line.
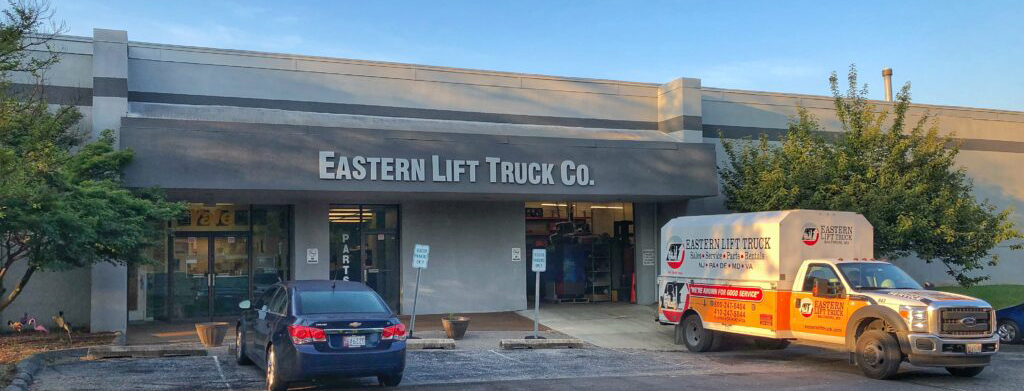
609	325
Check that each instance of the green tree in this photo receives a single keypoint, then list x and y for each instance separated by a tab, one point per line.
902	178
62	202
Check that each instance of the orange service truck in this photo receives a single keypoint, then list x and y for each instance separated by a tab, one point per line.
810	275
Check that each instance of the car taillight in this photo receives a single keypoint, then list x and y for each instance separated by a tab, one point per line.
396	332
304	334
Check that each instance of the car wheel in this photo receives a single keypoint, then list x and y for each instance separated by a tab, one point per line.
770	343
1009	331
274	381
241	356
878	354
696	338
390	380
964	371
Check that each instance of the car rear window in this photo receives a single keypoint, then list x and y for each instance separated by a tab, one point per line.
328	302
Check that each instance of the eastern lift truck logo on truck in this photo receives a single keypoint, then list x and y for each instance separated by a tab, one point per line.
828	234
718	253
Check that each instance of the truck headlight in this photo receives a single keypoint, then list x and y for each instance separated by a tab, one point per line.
916	317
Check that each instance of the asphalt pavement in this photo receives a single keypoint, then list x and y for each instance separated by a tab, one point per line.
740	367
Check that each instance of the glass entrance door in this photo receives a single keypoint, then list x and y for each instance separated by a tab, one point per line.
365	247
210	274
381	267
230	274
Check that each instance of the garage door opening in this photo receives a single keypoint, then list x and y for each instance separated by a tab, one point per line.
590	251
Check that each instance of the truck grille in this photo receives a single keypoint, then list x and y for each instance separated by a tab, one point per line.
965	322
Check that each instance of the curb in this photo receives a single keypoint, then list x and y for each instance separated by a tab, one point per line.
152	351
554	343
25	370
430	343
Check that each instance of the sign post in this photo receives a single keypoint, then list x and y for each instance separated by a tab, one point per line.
540	264
419	262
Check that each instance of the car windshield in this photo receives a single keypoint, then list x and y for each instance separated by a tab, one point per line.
330	302
876	275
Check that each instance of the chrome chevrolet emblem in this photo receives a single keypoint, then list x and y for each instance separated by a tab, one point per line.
969	321
354	324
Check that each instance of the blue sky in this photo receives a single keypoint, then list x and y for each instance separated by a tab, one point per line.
960	53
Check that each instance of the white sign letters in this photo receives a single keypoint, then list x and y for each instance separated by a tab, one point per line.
493	170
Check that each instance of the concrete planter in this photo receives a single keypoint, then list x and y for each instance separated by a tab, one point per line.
455	326
211	334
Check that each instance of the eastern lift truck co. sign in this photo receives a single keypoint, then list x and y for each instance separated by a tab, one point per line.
438	169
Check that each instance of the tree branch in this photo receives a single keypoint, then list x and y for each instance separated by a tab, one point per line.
17	289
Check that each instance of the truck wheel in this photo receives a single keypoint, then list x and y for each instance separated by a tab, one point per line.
696	338
1009	331
770	343
878	354
964	371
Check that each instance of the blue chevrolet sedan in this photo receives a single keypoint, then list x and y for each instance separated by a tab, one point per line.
321	330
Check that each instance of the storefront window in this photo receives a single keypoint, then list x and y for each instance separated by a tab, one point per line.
214	256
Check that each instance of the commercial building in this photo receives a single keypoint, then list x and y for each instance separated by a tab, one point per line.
299	167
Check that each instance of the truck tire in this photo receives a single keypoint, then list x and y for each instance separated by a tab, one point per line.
770	343
1009	331
964	371
696	338
878	354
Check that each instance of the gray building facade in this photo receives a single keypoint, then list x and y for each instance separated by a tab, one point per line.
299	167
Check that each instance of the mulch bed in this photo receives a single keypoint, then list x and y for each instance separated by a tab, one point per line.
16	346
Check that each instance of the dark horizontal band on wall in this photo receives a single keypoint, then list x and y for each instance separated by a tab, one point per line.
690	122
115	87
386	111
775	134
54	95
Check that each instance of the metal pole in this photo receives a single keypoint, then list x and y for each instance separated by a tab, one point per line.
536	306
415	297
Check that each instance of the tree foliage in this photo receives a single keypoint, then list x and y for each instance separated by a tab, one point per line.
902	177
62	202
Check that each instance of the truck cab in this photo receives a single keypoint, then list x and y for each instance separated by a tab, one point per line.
931	328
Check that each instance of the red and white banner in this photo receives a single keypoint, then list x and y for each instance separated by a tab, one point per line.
726	292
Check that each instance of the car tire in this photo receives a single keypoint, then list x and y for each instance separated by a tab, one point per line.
241	356
964	371
390	380
770	343
274	381
1009	331
696	338
878	354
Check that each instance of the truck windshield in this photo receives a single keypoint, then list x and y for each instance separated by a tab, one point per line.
876	275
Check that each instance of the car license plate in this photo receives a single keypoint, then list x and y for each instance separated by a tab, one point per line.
358	341
973	348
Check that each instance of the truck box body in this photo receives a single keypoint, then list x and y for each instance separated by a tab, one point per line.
737	270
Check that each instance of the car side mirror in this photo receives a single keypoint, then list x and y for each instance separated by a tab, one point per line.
245	304
929	286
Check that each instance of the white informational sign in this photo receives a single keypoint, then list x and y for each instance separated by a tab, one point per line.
540	260
420	255
312	255
648	255
517	254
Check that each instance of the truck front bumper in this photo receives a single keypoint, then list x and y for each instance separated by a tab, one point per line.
928	350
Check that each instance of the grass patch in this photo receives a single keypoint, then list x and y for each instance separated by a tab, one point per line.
1000	296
